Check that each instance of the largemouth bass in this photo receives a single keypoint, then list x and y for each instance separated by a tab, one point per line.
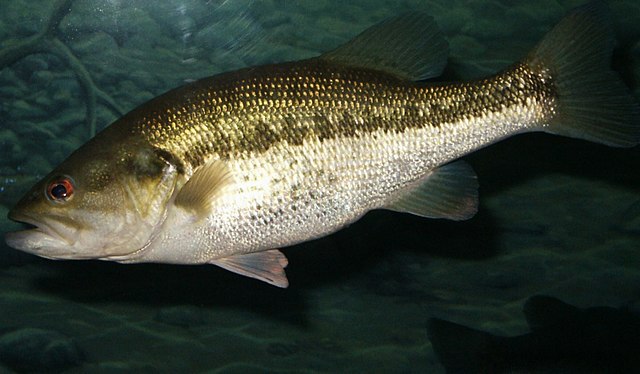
229	169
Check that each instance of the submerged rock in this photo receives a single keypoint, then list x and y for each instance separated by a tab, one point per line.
32	349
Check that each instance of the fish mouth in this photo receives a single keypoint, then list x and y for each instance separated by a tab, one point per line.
45	238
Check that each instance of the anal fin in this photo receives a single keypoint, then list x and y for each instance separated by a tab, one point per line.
450	191
267	266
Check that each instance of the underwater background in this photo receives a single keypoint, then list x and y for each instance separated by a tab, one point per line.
557	216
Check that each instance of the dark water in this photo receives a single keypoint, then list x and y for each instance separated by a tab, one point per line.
559	217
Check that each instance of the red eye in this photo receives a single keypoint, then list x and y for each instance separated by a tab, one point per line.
60	189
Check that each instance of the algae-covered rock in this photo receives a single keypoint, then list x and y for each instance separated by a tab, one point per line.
9	78
9	144
37	162
464	45
168	14
540	13
316	6
21	109
228	35
25	67
97	46
276	18
41	77
451	21
21	20
33	349
120	19
12	187
5	223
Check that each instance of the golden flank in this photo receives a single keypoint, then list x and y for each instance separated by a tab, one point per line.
230	168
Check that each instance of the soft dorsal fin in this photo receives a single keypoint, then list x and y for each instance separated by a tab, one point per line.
450	191
267	266
409	46
199	192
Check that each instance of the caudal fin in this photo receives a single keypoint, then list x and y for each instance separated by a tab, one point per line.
594	104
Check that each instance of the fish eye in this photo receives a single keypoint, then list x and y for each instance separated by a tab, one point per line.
60	189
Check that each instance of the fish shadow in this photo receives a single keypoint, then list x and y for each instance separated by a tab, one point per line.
523	158
160	285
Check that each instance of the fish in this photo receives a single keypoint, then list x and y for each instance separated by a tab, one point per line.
230	169
563	339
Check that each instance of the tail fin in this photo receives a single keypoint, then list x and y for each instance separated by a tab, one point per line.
594	104
462	349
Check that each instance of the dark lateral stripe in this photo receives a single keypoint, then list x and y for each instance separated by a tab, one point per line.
250	110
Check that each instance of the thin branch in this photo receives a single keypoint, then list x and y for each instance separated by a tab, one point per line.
60	9
89	89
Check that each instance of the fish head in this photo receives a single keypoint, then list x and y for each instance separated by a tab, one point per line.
105	201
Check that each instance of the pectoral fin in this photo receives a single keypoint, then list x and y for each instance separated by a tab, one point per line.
451	192
206	184
267	266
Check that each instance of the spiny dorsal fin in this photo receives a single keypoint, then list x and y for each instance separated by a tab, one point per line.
450	191
203	187
267	266
409	46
